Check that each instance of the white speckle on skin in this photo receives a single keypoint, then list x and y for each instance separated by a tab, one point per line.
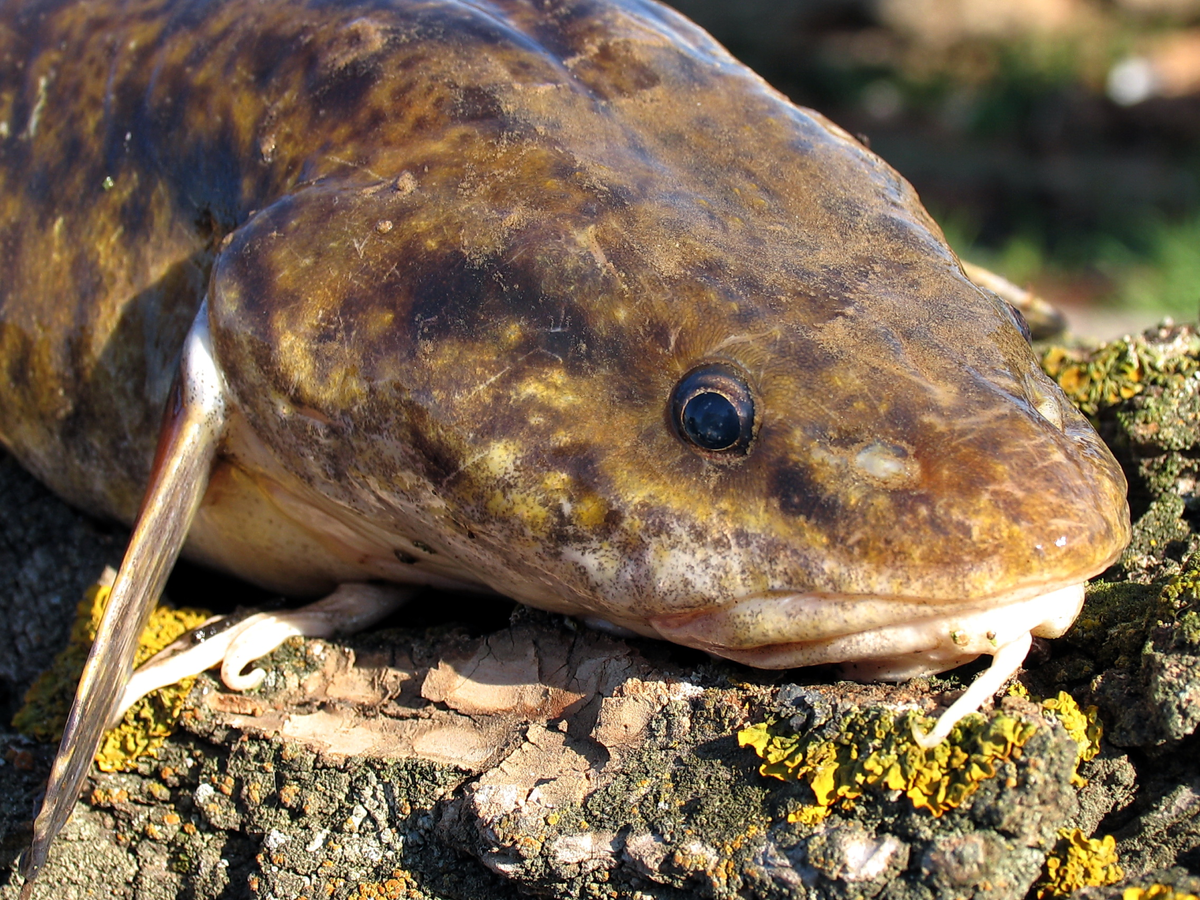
677	568
500	459
599	562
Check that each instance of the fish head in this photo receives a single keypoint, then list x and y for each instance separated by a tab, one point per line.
687	359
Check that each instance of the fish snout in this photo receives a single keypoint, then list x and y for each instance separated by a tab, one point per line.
970	494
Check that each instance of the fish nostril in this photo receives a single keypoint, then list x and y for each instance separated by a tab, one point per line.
1047	406
1040	392
889	464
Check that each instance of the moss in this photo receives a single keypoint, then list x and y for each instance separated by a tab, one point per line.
1117	618
1101	377
1177	607
147	723
1158	534
1078	861
1189	629
876	749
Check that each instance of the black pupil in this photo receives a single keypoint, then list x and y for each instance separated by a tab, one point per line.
711	421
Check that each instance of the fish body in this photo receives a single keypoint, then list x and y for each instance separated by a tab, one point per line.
554	299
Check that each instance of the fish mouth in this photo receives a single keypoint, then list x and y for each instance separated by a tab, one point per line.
873	638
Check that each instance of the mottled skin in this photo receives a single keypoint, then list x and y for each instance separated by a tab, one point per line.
457	255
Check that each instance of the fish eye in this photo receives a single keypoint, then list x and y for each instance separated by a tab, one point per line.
713	410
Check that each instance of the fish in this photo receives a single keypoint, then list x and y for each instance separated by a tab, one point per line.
548	298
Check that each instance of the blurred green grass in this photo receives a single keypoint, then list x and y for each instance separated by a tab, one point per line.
1164	273
1153	267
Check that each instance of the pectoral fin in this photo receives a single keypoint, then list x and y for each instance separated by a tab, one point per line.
350	609
193	425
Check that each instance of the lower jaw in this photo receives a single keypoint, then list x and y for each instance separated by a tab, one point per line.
895	650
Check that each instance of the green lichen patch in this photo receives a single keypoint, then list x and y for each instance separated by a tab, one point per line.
1119	618
1156	699
1179	606
1160	534
147	723
1078	861
1135	651
1113	624
876	749
1098	377
1143	393
1170	604
260	818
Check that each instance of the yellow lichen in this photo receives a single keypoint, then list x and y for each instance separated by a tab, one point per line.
1082	724
875	748
147	723
1078	861
808	815
1156	892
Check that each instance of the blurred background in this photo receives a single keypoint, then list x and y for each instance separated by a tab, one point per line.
1056	141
